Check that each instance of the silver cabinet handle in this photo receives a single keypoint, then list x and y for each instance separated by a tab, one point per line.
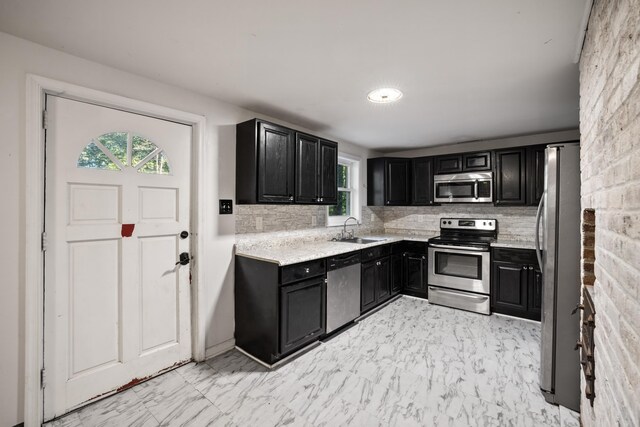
306	270
475	190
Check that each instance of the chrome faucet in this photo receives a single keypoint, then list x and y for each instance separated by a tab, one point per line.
344	228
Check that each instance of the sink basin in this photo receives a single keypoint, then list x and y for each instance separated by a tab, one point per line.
361	240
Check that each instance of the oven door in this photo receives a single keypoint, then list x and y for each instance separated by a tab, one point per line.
463	188
467	269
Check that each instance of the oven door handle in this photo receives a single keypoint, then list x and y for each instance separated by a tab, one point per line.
461	248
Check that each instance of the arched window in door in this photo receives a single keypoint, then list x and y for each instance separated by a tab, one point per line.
118	150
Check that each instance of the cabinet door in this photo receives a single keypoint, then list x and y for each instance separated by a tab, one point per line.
368	283
509	288
328	179
449	164
415	274
476	161
302	313
396	273
307	164
535	292
397	182
383	279
535	174
422	181
275	164
510	177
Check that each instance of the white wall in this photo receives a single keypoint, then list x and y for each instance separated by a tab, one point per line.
19	57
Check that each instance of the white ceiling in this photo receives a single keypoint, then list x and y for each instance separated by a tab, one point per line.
468	69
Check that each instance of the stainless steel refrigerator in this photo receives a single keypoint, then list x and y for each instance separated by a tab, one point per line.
559	257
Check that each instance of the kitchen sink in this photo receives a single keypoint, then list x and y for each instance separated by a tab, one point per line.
361	240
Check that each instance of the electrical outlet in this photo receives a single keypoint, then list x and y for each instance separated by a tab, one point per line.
373	217
226	206
314	220
259	223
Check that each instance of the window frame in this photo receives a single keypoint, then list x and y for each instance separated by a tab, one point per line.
353	181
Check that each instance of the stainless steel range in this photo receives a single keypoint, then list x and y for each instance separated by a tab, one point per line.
460	264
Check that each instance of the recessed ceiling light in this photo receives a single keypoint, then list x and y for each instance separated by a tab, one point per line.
384	95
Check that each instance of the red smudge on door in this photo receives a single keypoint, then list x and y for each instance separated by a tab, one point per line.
127	230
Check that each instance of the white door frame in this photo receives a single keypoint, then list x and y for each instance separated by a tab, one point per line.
37	88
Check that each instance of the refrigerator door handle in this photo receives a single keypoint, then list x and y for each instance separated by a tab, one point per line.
538	217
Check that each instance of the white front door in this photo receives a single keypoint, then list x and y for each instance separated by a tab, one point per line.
117	307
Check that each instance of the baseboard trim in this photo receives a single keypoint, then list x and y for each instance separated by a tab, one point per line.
220	348
516	318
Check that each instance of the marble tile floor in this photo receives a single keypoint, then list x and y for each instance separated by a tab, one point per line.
409	364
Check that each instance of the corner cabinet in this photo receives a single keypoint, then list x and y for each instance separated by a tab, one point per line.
388	181
516	283
275	164
316	170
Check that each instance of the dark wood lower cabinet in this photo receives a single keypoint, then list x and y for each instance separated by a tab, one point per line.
415	274
278	310
375	283
302	313
516	283
396	274
368	282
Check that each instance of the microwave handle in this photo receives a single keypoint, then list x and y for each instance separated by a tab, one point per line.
475	189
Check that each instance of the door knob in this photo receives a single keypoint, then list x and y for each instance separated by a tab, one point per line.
184	258
184	234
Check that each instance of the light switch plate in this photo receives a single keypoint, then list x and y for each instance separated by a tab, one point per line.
226	206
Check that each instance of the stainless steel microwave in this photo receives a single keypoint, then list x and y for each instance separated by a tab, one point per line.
467	187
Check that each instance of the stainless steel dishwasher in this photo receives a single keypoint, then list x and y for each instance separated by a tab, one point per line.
343	290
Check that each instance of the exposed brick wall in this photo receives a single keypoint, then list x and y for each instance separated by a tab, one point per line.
610	168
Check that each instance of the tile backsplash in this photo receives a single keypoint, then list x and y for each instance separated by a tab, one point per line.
514	223
265	222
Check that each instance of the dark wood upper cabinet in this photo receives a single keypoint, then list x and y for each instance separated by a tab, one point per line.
265	158
389	181
510	177
422	181
316	170
275	164
328	169
476	161
535	174
448	164
307	166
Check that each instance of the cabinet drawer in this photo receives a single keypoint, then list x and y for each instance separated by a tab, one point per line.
415	247
375	252
304	270
518	256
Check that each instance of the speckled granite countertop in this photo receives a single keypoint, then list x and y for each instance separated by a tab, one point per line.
286	255
516	244
293	254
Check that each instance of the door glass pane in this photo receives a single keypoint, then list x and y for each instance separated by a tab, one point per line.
455	189
459	265
343	176
141	148
94	158
116	142
157	164
344	204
